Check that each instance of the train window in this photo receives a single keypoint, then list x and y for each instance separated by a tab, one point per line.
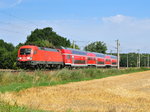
100	55
78	52
79	61
114	63
25	51
114	57
35	51
68	57
41	48
100	62
91	58
108	60
48	49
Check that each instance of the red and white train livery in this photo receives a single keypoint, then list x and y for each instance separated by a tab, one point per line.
34	56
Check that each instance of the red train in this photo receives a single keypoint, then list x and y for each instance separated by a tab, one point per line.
34	56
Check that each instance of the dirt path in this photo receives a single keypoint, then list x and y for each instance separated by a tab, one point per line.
125	93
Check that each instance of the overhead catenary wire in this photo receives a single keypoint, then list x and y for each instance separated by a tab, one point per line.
19	18
11	31
14	25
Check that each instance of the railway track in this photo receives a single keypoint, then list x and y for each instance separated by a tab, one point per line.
46	70
9	70
17	71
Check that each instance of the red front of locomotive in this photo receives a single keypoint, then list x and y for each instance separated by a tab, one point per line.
38	56
25	53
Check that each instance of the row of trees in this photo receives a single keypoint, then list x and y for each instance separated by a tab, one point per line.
48	38
135	60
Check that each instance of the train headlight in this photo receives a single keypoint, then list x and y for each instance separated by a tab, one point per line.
19	58
29	58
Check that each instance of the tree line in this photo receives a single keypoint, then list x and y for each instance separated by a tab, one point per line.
46	37
134	59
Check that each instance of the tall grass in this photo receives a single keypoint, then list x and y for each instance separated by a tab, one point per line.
22	80
5	107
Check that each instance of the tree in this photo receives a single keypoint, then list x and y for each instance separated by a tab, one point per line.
133	59
6	46
7	55
76	46
47	38
97	46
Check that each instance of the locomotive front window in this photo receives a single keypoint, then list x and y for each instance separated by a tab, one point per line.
25	51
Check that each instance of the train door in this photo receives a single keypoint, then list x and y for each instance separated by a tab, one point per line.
108	62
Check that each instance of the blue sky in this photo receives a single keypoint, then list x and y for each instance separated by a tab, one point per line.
84	21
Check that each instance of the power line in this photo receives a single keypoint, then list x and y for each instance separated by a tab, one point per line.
14	25
19	18
11	31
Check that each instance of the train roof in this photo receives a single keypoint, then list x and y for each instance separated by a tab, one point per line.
112	56
81	52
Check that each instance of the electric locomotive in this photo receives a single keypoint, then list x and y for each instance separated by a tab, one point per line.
34	56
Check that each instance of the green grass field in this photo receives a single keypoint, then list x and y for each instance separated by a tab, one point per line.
23	80
5	107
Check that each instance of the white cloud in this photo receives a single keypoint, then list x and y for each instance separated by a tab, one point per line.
118	19
17	2
133	33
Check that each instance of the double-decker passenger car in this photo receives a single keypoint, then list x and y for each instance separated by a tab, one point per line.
74	57
78	58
